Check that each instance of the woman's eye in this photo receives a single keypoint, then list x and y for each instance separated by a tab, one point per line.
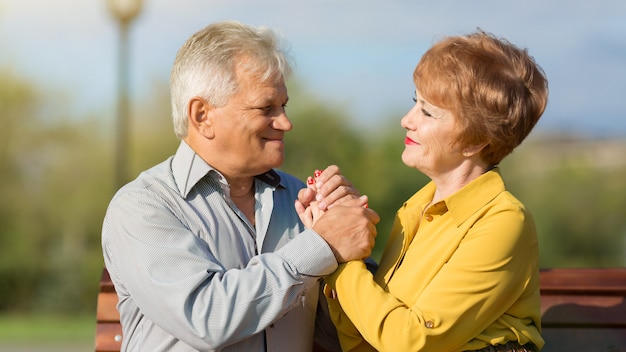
426	113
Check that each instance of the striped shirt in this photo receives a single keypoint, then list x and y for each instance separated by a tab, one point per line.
193	274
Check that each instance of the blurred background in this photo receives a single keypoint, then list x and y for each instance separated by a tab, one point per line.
84	107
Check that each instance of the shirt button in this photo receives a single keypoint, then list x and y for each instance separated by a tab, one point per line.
429	218
429	324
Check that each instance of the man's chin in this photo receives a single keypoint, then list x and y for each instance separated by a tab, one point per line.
272	163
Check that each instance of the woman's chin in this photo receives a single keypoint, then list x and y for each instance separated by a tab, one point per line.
407	160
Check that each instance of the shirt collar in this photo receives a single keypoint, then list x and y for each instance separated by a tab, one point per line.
188	168
469	199
465	202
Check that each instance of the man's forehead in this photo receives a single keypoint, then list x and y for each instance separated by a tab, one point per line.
261	92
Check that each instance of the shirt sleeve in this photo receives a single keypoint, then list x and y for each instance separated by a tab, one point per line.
177	283
349	336
484	276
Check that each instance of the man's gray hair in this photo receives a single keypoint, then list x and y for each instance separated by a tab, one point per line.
205	65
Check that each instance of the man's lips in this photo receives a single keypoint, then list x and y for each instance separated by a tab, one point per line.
274	138
409	141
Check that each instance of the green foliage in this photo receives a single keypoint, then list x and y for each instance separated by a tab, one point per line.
20	330
57	180
49	208
578	204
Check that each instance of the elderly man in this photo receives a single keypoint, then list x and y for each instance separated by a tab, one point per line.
206	250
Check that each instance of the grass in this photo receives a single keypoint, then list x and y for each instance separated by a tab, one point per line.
16	329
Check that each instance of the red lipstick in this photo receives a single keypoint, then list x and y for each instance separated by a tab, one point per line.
409	141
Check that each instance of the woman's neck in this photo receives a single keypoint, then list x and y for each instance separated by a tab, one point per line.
451	182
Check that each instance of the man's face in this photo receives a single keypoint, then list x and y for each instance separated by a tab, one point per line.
249	129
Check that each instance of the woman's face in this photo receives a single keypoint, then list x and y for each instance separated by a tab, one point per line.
430	143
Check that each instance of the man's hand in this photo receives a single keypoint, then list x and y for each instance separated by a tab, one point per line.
349	229
332	207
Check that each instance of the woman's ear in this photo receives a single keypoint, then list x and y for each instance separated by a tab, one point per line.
200	117
471	150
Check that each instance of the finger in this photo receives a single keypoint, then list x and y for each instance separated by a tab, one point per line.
351	200
373	233
310	182
322	176
300	208
331	186
305	214
306	196
371	248
372	216
331	183
337	190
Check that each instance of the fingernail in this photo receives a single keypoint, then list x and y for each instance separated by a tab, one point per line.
318	197
310	181
317	173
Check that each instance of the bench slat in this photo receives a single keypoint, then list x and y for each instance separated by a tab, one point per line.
590	311
601	281
108	328
108	337
106	285
583	309
584	339
107	307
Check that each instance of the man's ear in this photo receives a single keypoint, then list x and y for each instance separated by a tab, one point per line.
200	116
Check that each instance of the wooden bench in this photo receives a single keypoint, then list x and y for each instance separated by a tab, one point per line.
582	310
108	328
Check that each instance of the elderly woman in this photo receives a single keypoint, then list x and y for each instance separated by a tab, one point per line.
460	271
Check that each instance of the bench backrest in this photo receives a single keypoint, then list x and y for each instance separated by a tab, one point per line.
582	310
108	328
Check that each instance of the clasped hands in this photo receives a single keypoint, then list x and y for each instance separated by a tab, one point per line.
333	208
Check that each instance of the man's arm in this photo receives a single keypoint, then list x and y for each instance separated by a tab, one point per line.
176	282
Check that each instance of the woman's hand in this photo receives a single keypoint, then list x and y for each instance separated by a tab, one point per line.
324	190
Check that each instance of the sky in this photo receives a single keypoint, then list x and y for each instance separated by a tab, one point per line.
356	53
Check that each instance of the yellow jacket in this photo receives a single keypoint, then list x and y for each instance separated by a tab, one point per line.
462	276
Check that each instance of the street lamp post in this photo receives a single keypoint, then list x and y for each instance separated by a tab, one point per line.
124	11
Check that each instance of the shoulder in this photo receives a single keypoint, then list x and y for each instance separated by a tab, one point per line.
154	183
